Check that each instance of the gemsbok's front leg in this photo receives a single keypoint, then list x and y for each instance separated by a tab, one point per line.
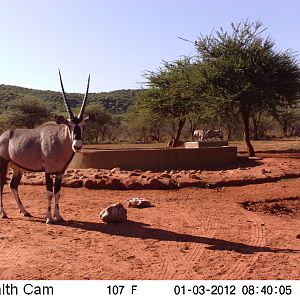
49	186
14	184
57	186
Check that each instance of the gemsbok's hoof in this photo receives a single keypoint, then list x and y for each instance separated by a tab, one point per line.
27	214
4	215
60	220
49	221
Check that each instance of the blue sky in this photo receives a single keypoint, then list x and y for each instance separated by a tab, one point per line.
116	41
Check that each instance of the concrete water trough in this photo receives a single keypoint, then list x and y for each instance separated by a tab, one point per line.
205	144
156	159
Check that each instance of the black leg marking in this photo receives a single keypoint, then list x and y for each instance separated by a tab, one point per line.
57	184
49	183
49	186
15	181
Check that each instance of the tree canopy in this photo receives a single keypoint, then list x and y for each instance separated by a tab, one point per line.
244	70
28	112
171	92
97	130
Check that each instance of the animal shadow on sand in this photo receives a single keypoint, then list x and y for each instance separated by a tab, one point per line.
139	230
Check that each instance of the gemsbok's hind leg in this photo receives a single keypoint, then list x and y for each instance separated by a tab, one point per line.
14	184
3	171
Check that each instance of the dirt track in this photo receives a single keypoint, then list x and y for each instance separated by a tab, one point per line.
190	233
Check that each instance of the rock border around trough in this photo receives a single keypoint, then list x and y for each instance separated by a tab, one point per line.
117	179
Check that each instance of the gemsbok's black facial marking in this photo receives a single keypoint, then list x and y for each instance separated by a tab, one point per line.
77	133
76	120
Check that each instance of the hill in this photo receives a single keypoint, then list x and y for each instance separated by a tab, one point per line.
115	102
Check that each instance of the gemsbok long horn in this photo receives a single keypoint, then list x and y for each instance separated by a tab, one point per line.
80	116
71	115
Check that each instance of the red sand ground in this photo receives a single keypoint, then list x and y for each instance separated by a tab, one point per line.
245	232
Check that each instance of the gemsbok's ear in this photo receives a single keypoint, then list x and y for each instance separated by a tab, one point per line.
61	120
91	118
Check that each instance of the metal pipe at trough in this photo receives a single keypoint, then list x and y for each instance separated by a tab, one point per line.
156	159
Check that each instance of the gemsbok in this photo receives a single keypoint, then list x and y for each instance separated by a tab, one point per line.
201	135
47	148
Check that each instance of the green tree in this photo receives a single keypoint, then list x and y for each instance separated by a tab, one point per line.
171	93
144	125
244	71
28	112
116	131
285	116
97	130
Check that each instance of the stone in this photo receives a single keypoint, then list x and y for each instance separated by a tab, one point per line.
172	184
266	171
165	175
138	203
189	183
115	184
115	170
172	172
133	185
155	184
98	176
73	183
114	214
95	184
132	174
194	176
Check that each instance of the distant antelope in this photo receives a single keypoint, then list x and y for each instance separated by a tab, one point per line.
47	148
202	135
295	131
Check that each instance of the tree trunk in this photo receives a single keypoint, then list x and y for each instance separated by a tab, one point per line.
255	129
158	134
245	117
229	132
285	128
176	142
